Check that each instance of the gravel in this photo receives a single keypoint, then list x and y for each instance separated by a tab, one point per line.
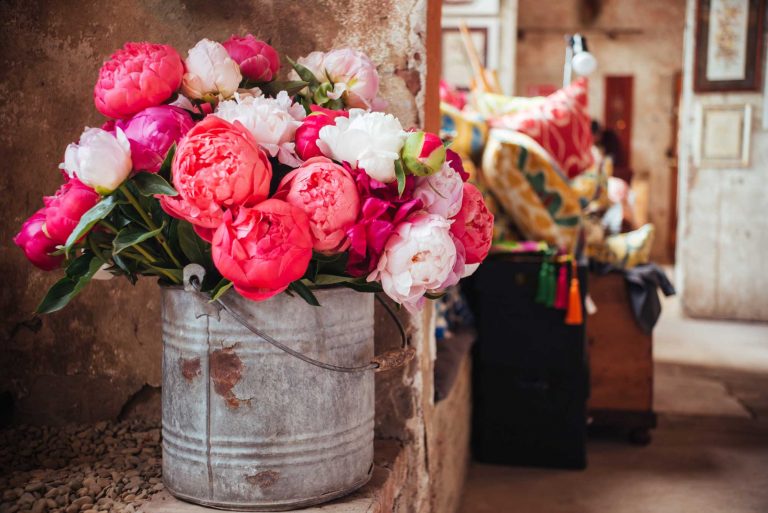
105	467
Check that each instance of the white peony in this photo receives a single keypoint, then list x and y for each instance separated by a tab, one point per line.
100	160
272	121
440	193
210	71
369	140
418	257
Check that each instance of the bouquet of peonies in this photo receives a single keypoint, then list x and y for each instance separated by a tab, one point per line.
270	185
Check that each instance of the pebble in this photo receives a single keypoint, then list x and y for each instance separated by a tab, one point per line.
106	467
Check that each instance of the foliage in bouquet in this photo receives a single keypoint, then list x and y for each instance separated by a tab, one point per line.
269	185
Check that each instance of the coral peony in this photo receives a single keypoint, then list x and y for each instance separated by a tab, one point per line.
210	72
309	131
258	61
217	165
263	249
328	195
423	153
99	159
473	225
353	76
272	121
151	133
441	192
418	258
36	245
64	209
135	77
369	140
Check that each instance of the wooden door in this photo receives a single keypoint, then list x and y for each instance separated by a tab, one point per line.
672	158
617	125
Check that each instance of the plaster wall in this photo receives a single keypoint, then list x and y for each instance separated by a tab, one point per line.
85	362
723	230
642	38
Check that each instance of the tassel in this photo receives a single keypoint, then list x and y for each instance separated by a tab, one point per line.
541	290
574	316
561	296
551	285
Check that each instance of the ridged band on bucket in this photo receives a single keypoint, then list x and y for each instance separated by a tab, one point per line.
247	426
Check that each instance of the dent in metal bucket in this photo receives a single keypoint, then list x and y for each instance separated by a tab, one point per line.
247	426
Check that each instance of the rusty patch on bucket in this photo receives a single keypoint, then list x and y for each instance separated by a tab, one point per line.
264	479
226	369
190	368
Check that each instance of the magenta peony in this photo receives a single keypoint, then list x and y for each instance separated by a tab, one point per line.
217	166
36	244
151	133
473	225
454	160
64	209
258	61
418	258
138	76
263	249
308	133
326	192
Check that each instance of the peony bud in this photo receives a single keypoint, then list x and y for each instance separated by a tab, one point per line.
423	153
258	61
211	72
36	244
100	160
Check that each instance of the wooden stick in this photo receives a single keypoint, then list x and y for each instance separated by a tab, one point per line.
474	59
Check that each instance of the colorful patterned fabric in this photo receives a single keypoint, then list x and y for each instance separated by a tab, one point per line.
561	125
592	185
495	105
531	189
467	132
625	250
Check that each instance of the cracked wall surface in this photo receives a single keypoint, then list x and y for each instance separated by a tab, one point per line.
90	360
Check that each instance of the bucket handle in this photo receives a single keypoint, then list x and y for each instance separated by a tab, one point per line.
193	277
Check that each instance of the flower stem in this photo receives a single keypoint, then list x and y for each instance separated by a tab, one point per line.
167	274
150	224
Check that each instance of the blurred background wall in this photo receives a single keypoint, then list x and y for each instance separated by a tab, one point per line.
87	361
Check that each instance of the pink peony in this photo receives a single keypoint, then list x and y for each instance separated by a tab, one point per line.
473	225
309	131
326	192
263	249
354	77
382	210
441	192
419	257
459	270
138	76
217	166
151	133
258	61
64	210
36	244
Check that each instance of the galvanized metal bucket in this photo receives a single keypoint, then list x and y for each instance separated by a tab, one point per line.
249	426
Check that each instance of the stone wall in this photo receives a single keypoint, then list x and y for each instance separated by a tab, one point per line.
723	231
85	362
643	38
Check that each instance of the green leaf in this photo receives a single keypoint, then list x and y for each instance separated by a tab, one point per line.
130	236
331	279
68	287
304	73
291	87
193	247
400	174
306	294
98	212
165	168
164	272
149	184
220	289
320	94
360	285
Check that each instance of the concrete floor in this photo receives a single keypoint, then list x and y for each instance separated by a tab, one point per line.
708	454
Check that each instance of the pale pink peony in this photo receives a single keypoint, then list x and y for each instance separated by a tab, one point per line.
263	249
459	270
152	132
217	166
210	73
258	61
473	225
36	245
441	192
138	76
326	192
419	257
64	209
354	77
